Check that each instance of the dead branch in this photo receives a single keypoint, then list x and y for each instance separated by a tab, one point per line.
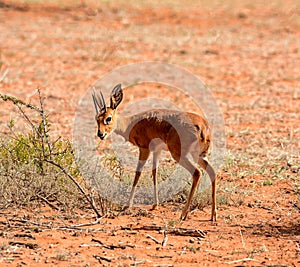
112	247
137	263
171	231
100	258
48	202
30	222
90	245
161	256
90	200
22	244
165	240
241	260
77	226
26	118
3	75
30	236
153	238
51	226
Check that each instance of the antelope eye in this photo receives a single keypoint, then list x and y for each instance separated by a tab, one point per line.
108	120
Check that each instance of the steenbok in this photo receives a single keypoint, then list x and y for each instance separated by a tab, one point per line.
181	133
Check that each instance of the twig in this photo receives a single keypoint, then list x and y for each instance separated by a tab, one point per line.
138	263
16	101
172	231
153	238
90	245
161	256
165	240
30	236
50	226
76	226
90	200
112	247
26	245
236	261
45	126
26	117
30	222
163	243
48	202
182	251
3	75
297	207
99	258
242	238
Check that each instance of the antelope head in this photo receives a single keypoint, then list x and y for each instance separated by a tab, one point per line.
106	116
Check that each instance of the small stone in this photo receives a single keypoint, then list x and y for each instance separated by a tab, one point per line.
192	240
294	169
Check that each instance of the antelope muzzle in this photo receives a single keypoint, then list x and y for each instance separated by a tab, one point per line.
101	135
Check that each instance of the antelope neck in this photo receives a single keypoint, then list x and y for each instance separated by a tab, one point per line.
122	126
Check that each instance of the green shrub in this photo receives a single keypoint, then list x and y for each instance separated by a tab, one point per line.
35	168
26	176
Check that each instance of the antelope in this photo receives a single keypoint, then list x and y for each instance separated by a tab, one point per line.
155	130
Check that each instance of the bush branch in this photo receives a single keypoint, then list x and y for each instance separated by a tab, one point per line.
90	200
17	101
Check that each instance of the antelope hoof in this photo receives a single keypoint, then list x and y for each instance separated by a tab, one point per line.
213	215
183	216
127	207
154	207
126	210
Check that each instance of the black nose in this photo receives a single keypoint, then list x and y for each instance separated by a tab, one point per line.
100	135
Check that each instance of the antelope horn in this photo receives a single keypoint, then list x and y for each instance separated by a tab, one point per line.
96	104
98	101
103	102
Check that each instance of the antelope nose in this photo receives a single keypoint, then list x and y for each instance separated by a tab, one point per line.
100	135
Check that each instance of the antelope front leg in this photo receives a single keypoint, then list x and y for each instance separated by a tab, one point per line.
196	177
184	162
212	175
154	172
214	203
144	154
136	179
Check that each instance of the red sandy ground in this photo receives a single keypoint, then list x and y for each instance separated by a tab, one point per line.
247	53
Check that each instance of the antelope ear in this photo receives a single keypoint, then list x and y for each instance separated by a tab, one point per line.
116	96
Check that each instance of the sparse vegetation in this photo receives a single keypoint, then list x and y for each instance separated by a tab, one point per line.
63	255
36	168
267	182
26	176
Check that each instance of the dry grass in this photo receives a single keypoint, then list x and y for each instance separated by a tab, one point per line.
261	125
27	179
175	4
247	52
